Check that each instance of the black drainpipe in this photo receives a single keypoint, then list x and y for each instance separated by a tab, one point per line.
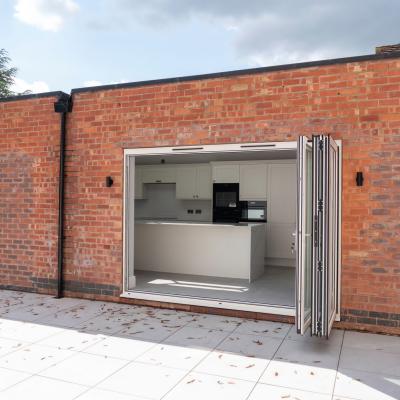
63	106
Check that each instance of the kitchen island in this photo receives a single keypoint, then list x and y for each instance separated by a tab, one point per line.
200	248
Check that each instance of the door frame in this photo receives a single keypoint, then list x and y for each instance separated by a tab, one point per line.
128	190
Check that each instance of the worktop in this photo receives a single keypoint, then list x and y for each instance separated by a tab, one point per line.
202	223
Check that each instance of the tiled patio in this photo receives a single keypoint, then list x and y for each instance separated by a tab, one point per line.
76	349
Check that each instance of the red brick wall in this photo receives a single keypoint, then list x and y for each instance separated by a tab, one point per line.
358	102
29	150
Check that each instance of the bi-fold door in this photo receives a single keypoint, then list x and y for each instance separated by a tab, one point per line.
317	235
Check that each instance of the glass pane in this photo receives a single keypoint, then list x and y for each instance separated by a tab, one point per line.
308	238
225	199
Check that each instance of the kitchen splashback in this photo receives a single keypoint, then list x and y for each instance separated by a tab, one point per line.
161	203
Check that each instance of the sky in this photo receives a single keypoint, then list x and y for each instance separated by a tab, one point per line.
65	44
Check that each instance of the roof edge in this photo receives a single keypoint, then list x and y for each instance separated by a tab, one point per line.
249	71
33	96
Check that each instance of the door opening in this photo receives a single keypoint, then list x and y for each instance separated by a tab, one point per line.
180	176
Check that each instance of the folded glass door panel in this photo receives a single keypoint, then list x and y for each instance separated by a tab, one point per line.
325	234
304	234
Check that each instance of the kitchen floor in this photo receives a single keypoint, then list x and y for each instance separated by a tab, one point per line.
274	287
77	349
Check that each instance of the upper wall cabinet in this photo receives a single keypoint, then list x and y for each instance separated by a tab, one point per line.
253	182
139	187
159	174
225	173
193	182
204	184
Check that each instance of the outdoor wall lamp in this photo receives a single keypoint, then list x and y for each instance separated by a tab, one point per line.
359	178
109	181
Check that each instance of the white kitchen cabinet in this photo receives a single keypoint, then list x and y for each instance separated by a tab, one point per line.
253	182
282	181
139	187
280	241
159	174
281	213
204	184
185	182
193	182
225	173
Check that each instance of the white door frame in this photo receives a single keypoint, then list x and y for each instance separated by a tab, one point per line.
129	155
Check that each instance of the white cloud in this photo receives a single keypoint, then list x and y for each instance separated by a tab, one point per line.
92	83
47	15
21	86
99	83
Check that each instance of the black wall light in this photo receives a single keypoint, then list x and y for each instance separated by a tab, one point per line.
359	178
109	181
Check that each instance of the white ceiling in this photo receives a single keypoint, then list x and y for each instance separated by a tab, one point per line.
272	154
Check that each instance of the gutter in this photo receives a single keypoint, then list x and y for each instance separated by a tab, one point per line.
62	106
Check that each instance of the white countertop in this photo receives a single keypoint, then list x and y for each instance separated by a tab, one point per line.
194	223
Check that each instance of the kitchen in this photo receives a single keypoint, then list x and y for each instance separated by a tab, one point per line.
216	226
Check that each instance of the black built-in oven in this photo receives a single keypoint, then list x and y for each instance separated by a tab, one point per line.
226	205
253	211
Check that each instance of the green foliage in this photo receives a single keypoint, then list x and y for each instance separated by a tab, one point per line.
7	74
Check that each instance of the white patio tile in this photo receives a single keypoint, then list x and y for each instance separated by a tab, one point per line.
74	316
374	361
366	386
34	358
84	369
104	324
120	347
300	376
335	337
9	377
10	345
172	316
198	386
197	338
151	330
173	356
42	388
304	366
26	331
268	392
232	366
144	380
11	299
308	353
371	341
250	345
71	339
263	328
215	322
240	356
100	394
40	309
